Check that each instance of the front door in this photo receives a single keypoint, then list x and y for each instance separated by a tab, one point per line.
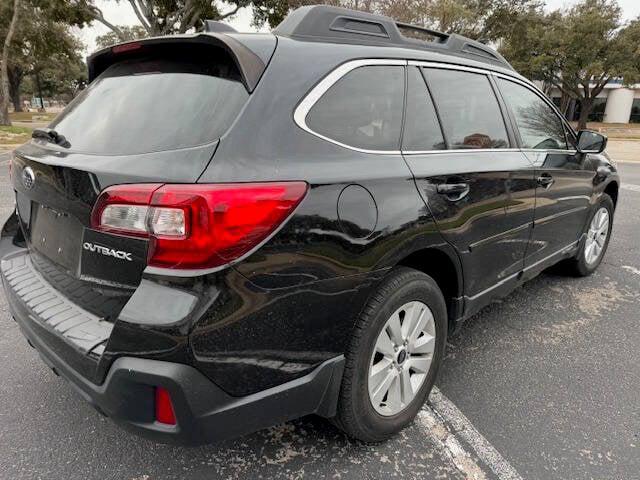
564	186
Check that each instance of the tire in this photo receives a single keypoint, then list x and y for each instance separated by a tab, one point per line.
356	414
578	265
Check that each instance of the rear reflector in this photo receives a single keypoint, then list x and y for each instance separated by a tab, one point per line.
164	407
197	226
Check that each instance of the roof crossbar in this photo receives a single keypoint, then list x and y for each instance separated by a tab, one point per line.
324	23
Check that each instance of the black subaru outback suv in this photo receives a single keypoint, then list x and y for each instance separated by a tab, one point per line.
225	231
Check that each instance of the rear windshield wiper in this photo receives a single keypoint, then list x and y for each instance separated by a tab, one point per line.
50	135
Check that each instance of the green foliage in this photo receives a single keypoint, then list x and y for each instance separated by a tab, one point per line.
128	33
46	47
578	50
478	19
75	13
162	17
14	135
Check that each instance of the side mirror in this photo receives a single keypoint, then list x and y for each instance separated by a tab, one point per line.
591	142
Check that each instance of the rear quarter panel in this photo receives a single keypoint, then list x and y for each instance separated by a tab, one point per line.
295	300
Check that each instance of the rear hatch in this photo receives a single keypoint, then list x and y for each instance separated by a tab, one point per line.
154	114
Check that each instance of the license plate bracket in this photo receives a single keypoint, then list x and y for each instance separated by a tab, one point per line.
112	259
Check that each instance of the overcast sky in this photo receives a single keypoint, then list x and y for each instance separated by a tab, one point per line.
121	14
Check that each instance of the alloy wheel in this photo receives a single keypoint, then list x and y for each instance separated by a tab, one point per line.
401	358
596	236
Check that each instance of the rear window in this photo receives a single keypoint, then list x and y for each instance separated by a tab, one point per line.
363	109
151	104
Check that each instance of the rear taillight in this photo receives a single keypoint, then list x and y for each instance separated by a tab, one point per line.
197	226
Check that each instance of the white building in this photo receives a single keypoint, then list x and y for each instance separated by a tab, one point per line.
615	104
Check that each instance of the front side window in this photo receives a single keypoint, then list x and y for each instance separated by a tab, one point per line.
539	125
469	110
363	109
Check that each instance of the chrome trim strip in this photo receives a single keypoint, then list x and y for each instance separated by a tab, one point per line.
450	66
303	108
460	150
551	150
533	265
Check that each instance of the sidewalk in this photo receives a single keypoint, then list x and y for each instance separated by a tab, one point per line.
624	150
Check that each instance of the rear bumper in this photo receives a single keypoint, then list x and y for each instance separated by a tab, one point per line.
204	412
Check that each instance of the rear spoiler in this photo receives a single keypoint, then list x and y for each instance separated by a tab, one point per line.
250	52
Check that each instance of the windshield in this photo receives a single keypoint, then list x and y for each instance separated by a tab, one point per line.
147	105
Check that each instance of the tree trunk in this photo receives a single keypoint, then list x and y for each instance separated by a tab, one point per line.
564	104
4	80
15	81
586	105
39	89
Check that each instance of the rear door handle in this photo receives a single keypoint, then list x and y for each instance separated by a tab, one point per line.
545	180
453	191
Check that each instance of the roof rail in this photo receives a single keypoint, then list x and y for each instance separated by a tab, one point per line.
323	23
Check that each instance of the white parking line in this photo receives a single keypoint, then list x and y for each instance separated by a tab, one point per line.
449	429
631	269
630	186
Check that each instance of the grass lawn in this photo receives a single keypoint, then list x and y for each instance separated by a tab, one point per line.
14	135
32	116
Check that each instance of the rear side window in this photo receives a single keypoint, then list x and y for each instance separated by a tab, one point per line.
469	110
421	127
152	104
363	109
540	126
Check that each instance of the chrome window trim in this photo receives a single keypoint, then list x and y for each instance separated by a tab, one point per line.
310	99
551	150
307	103
450	66
460	150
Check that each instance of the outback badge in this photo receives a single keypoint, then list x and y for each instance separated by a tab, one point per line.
109	252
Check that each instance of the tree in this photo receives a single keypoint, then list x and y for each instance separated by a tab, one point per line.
478	19
128	33
578	50
41	44
4	79
62	77
164	17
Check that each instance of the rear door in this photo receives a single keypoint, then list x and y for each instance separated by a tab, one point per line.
478	188
564	185
155	118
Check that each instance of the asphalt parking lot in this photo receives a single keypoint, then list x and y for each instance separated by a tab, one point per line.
543	385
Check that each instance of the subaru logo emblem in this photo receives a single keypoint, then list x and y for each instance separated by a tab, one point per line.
28	178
